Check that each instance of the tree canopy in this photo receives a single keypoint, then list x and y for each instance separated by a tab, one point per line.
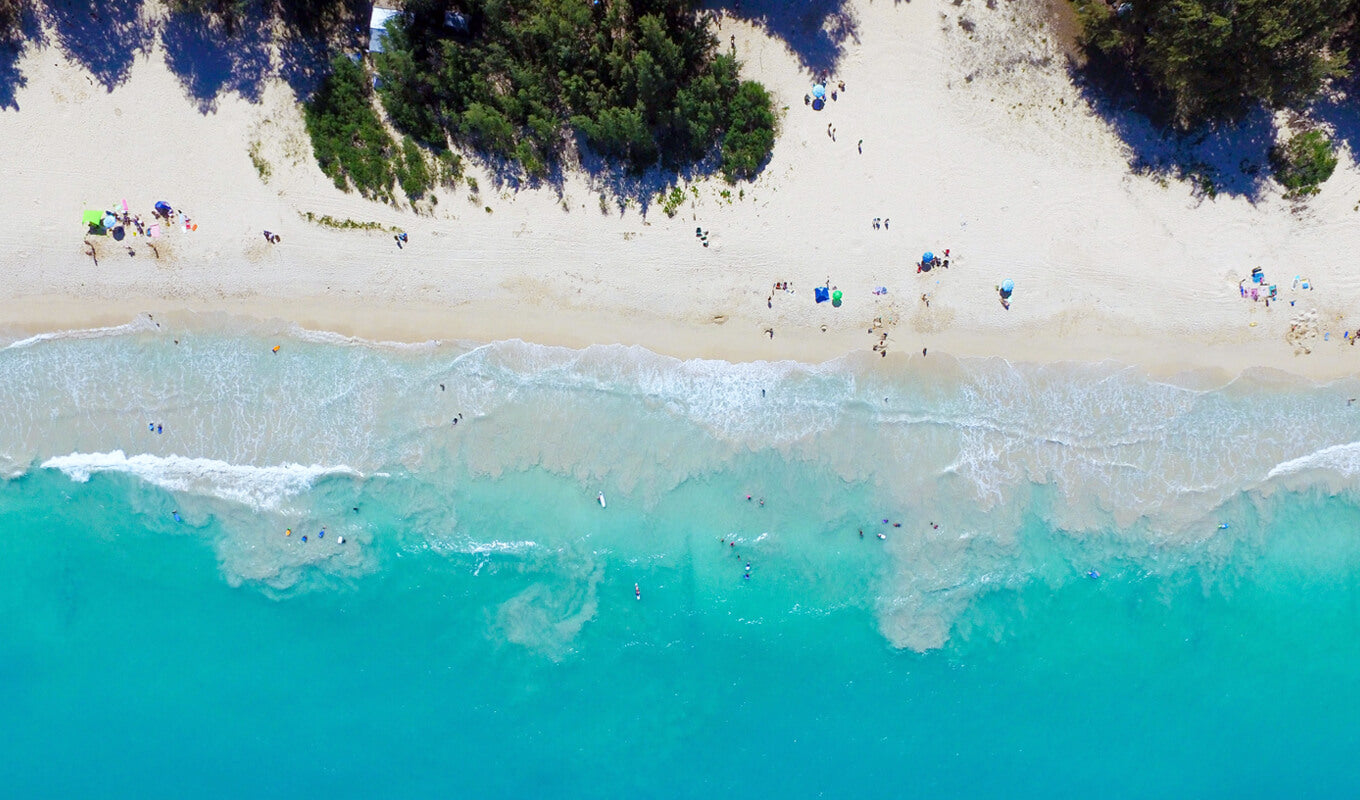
1212	59
639	80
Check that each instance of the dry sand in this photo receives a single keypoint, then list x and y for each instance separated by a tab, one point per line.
974	139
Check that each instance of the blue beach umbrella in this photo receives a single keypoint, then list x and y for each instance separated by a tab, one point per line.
1008	286
819	91
927	257
110	221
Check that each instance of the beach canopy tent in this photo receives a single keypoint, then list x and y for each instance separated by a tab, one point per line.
93	218
162	207
377	27
822	294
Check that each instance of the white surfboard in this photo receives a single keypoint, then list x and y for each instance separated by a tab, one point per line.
600	497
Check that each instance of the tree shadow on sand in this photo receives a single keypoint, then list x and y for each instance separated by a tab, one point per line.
104	37
1229	159
1339	111
817	31
28	34
240	53
210	55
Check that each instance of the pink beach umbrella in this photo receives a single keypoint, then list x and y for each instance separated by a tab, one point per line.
125	206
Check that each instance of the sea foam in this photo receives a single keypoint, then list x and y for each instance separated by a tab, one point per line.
262	488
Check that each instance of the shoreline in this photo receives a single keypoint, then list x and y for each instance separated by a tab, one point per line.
476	322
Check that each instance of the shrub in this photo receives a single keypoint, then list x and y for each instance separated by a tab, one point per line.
450	166
348	138
1303	162
671	201
412	173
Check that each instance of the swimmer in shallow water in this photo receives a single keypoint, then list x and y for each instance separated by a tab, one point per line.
881	536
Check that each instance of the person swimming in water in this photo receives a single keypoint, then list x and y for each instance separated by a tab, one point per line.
637	591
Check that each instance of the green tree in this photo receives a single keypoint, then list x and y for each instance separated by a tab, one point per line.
11	13
620	132
1212	59
637	79
488	128
407	90
750	132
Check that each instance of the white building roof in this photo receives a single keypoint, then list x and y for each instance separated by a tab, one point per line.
377	31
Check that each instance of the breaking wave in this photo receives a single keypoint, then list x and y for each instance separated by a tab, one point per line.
261	488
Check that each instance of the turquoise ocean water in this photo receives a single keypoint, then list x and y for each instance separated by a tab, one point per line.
477	633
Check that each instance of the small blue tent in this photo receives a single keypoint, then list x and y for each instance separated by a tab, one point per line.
822	294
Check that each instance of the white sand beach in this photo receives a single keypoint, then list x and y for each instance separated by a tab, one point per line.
977	142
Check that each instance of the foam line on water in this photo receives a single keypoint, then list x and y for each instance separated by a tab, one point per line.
262	488
1341	458
141	324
